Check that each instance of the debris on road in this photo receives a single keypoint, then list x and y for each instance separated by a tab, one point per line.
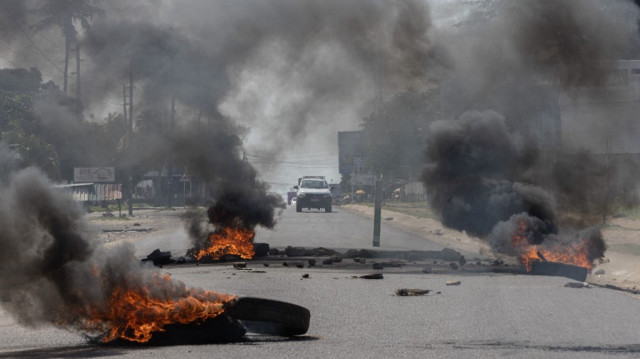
309	252
559	270
371	276
577	285
274	252
462	261
261	249
362	253
360	260
405	292
453	282
159	257
306	275
293	264
240	265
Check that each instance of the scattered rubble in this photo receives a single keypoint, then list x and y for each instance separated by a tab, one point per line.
577	285
240	265
453	282
361	253
559	270
405	292
274	252
306	275
159	257
261	249
293	264
371	276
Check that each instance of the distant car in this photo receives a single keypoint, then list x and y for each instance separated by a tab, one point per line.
313	192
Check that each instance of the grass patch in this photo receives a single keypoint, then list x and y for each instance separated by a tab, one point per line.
630	213
114	218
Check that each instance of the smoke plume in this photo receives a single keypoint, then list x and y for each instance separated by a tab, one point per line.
52	273
498	163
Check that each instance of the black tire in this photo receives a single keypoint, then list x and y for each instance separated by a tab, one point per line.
298	207
327	209
266	316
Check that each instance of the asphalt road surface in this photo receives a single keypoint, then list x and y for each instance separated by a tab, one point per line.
337	229
488	315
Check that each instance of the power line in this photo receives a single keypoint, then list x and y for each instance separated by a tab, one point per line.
40	51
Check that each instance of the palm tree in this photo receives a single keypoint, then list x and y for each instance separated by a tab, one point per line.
63	14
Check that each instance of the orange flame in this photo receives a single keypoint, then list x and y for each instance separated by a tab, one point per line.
134	314
229	240
576	253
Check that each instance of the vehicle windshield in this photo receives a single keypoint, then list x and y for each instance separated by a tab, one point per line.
314	184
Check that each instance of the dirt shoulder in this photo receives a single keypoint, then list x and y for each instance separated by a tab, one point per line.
620	267
148	222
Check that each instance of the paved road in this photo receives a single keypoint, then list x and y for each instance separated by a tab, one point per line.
338	229
486	316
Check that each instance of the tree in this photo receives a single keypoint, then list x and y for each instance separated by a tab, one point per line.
63	14
396	133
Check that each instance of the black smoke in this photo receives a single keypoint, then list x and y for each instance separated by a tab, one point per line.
52	273
498	161
475	174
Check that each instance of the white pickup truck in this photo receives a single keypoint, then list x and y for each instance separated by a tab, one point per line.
313	192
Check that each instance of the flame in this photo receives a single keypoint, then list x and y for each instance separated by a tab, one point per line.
575	253
229	240
135	313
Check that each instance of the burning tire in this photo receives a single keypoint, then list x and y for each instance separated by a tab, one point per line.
265	316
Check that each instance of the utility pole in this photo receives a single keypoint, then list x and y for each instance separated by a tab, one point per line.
78	102
124	106
377	211
377	196
67	45
605	194
131	144
173	111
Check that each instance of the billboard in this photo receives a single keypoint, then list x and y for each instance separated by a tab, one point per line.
94	174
